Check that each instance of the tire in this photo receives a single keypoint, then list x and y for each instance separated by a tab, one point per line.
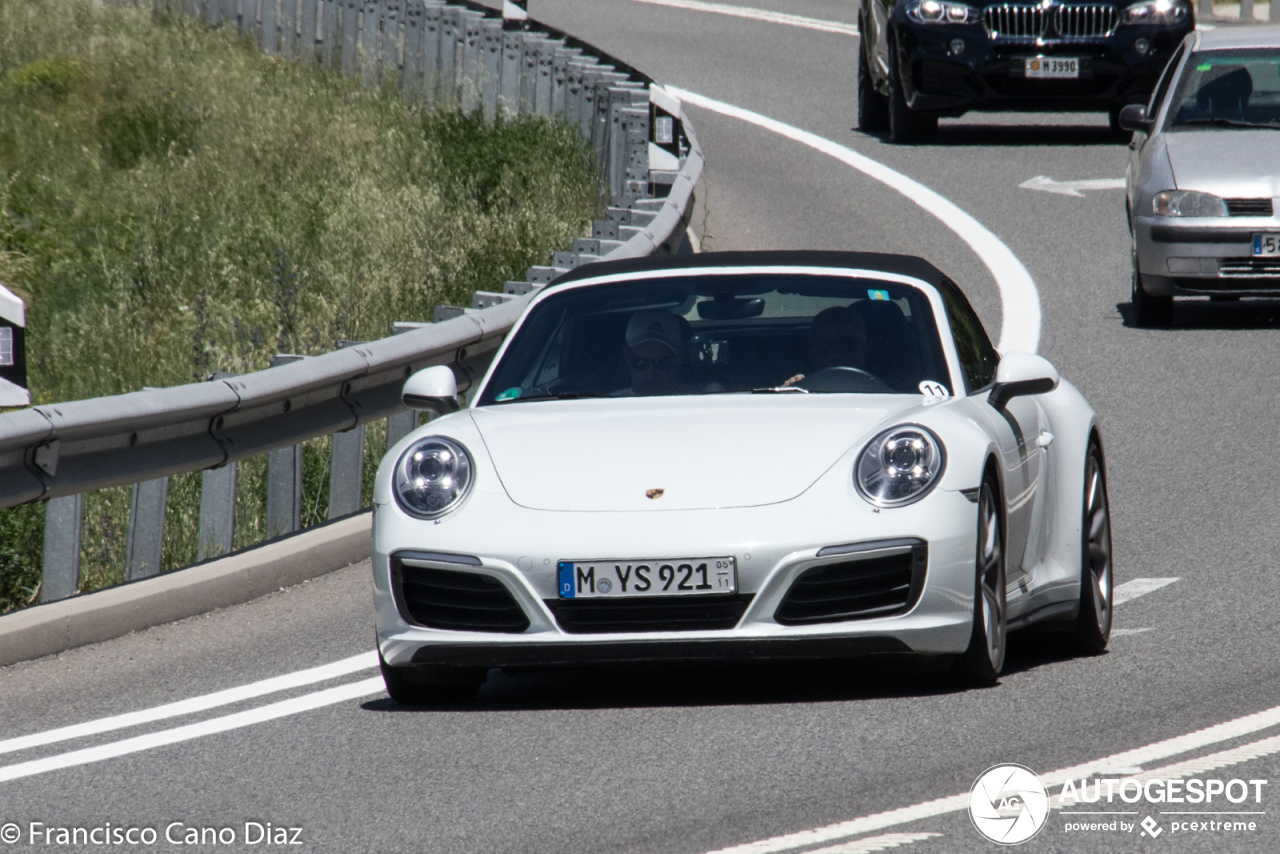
1148	311
419	685
1092	628
905	125
981	663
873	108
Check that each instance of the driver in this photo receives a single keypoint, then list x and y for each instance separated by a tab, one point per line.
655	348
837	339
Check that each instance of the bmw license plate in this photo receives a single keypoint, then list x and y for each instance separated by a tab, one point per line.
1052	67
613	579
1266	244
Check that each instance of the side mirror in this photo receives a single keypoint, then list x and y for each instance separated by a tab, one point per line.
434	389
1021	374
1134	118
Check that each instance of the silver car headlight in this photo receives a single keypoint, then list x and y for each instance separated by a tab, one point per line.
433	476
1188	203
900	466
1156	12
938	12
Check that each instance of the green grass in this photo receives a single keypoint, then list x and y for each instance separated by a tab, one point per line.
174	204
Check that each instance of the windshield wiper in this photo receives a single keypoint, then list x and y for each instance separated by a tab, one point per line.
781	389
1271	124
573	395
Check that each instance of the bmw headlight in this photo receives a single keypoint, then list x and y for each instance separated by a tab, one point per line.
1188	203
433	476
938	12
899	466
1156	12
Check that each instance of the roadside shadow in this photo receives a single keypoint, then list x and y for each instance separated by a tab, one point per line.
1030	650
1197	313
670	684
1010	135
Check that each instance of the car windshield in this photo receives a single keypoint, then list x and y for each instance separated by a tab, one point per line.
1228	89
718	334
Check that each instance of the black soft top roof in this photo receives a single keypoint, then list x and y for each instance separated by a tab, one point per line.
902	265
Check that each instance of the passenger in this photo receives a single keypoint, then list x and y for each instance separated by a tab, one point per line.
656	343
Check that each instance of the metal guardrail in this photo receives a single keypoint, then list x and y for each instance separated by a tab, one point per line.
58	452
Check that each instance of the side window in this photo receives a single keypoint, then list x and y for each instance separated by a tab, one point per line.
978	359
1163	86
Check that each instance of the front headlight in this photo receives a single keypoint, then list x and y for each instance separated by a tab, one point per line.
938	12
899	466
1188	203
1156	12
433	476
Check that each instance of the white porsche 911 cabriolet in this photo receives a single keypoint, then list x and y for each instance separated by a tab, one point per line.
739	455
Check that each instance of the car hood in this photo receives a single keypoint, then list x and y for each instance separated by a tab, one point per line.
1234	164
701	452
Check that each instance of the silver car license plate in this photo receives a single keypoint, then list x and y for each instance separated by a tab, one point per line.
614	579
1266	244
1052	67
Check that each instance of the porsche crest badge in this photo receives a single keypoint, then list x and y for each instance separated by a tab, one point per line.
653	493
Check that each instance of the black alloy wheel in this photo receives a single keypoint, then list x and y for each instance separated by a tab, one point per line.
905	125
422	685
873	108
982	662
1093	622
1148	311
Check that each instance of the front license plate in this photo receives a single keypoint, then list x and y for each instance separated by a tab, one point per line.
1266	244
613	579
1052	67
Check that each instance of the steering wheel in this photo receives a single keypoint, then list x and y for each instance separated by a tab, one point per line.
844	379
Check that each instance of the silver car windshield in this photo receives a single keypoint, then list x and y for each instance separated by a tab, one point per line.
1228	89
721	334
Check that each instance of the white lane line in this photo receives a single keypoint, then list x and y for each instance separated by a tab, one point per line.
1131	760
1119	633
1071	188
765	15
293	706
310	676
1019	300
1131	590
868	844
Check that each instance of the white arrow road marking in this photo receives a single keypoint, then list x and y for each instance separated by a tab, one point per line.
1130	760
1131	590
346	666
1019	299
1071	188
759	15
305	703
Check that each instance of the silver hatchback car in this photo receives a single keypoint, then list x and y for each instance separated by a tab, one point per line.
1204	174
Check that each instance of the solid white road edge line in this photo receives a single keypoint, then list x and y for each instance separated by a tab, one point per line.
765	15
868	844
1131	590
1019	300
1131	760
354	664
306	702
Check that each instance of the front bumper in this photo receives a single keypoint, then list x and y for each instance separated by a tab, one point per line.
989	73
520	548
1189	257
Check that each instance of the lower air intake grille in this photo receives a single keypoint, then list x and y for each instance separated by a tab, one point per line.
1249	267
452	599
855	589
1248	207
684	614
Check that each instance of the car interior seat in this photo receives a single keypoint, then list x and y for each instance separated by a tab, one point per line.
891	355
1227	93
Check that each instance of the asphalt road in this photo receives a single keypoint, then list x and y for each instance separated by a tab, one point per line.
692	759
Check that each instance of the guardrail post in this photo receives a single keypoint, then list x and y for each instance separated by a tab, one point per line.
412	82
330	13
249	17
269	27
284	478
450	22
491	66
217	511
146	529
391	12
350	30
289	27
512	62
472	59
346	472
400	425
546	76
528	94
63	523
432	10
636	128
370	38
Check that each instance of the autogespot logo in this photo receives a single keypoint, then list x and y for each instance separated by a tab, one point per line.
1008	804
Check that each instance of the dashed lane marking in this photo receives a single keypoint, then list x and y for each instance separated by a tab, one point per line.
765	15
1131	590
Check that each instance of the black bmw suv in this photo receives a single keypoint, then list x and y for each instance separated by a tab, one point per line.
923	59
